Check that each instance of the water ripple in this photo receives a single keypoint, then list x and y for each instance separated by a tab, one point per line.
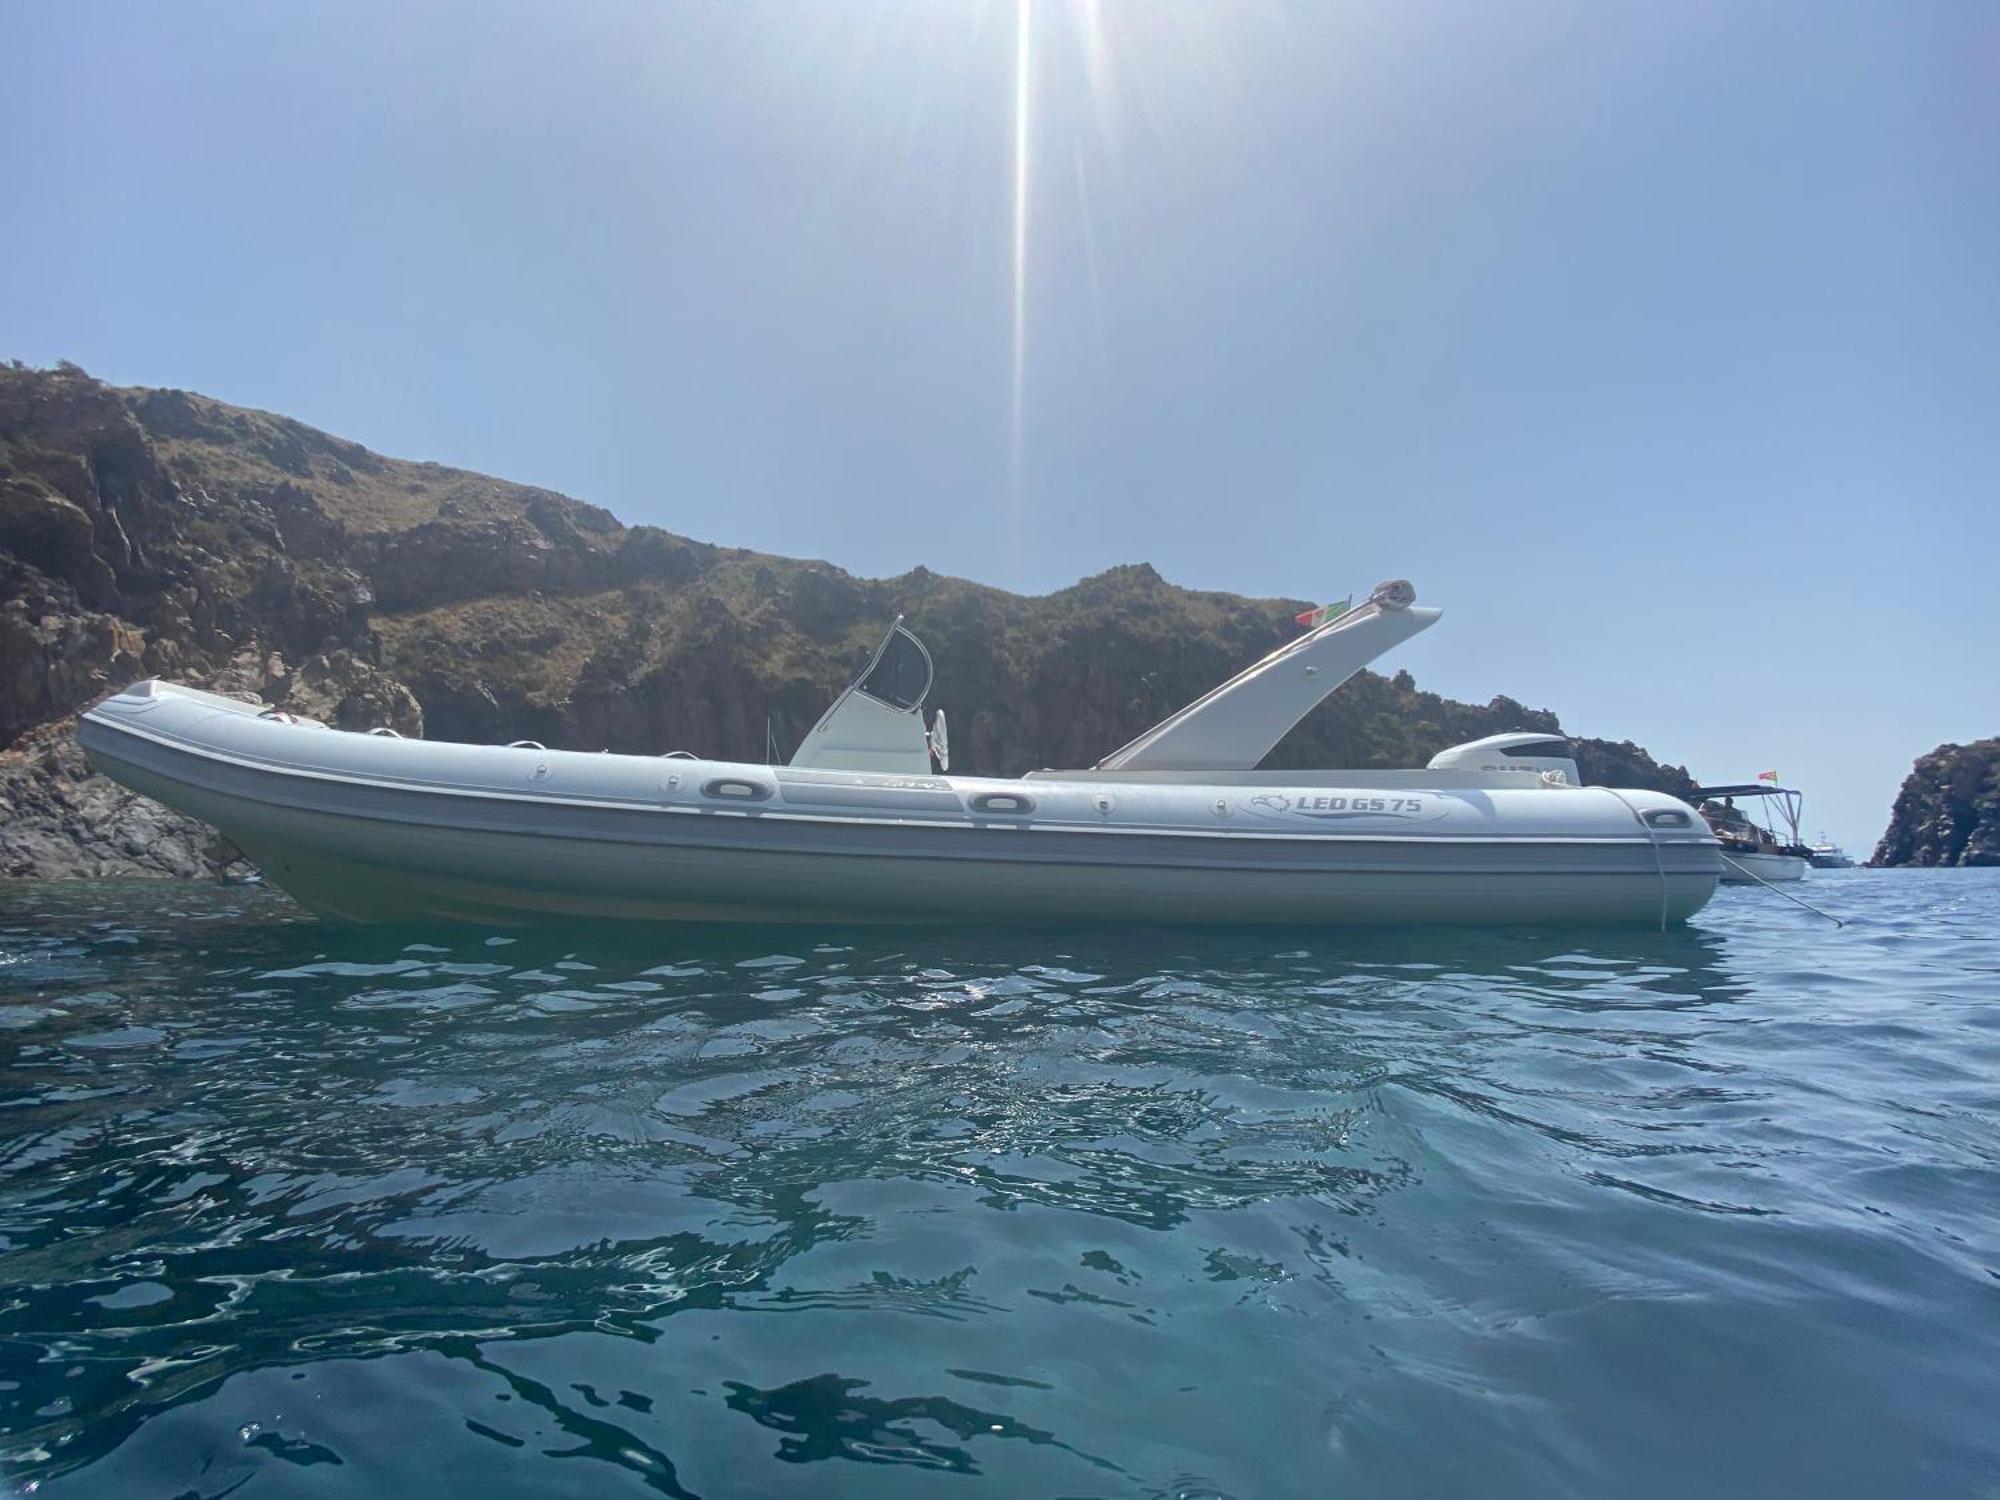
710	1213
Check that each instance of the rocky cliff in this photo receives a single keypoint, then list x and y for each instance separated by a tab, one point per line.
159	533
1948	812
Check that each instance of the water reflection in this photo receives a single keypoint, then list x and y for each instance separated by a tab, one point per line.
826	1417
691	1173
598	1438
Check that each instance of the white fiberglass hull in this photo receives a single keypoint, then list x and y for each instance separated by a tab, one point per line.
373	829
1770	869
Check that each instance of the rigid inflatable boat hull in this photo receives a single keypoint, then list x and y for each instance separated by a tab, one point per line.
381	830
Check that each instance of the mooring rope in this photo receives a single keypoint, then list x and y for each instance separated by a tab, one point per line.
1652	838
1798	900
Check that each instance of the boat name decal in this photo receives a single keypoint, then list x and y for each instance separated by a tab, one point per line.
1333	806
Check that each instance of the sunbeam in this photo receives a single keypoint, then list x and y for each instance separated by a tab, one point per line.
1024	42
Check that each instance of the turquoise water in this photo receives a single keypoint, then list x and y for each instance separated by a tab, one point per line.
286	1210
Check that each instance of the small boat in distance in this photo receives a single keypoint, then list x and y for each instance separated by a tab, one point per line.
861	825
1827	855
1754	850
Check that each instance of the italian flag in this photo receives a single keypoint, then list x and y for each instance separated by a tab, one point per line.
1312	619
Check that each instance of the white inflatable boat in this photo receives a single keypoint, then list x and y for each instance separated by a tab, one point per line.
1178	826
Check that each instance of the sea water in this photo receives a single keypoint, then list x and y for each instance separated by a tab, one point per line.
287	1210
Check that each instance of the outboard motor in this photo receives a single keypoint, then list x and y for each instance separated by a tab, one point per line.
1542	755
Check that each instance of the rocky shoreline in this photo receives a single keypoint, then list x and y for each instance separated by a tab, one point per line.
1948	811
160	533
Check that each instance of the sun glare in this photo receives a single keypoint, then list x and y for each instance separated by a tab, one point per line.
1023	195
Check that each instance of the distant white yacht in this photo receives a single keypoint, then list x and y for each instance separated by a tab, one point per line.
1754	851
1757	849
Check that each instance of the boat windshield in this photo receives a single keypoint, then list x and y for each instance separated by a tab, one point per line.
900	675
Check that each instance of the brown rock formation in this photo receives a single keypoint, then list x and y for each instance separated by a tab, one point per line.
1948	811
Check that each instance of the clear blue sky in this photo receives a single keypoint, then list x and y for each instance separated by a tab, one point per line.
1659	343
